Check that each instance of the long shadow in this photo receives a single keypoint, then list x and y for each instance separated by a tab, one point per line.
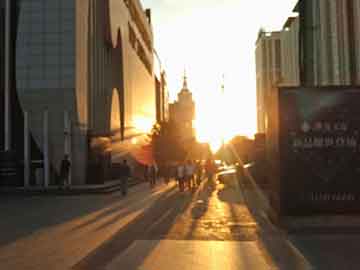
155	223
115	209
274	241
199	209
22	216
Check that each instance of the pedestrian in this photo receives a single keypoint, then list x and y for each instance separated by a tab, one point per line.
210	171
189	174
125	175
180	176
146	173
152	175
64	171
199	172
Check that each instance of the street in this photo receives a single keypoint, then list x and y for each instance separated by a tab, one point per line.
162	228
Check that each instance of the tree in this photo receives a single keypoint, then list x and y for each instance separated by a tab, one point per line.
166	143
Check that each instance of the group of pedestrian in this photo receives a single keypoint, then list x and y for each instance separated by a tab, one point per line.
189	174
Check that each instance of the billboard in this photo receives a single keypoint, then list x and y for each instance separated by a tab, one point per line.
319	150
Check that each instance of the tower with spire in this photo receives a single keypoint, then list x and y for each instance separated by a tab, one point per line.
182	111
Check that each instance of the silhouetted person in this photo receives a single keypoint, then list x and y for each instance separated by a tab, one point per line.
189	174
64	170
153	175
210	169
180	176
199	171
125	175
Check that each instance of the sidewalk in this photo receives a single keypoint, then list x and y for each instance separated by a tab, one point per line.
54	232
313	242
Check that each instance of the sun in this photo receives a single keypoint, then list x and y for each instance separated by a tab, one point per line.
222	116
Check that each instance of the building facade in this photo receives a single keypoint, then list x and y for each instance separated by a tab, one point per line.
182	112
83	70
162	92
290	72
329	38
162	98
268	71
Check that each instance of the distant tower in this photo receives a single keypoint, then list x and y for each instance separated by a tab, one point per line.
182	111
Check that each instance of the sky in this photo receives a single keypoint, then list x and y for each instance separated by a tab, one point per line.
212	38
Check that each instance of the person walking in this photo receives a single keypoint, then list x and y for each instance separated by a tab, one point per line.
125	175
180	176
189	174
152	175
199	172
64	171
210	171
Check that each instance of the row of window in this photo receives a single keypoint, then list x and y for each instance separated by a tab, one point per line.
45	47
138	47
135	16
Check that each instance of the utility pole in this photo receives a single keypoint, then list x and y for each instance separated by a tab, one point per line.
7	113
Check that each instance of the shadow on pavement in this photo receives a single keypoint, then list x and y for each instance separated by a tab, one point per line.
22	216
273	241
154	223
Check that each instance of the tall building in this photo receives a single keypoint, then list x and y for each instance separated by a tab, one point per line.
268	71
182	112
329	38
162	93
85	70
290	72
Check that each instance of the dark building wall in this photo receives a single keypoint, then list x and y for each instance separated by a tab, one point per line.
2	27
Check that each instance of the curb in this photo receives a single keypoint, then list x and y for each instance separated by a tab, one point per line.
66	192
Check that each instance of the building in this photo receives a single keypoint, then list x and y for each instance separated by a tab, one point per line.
182	112
268	71
162	97
162	92
290	72
83	70
329	38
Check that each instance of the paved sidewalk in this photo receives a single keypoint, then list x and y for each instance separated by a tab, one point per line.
214	231
56	232
314	242
190	255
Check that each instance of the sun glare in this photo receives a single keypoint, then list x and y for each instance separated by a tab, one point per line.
143	124
220	117
211	38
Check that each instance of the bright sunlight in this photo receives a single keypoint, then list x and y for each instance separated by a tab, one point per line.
211	39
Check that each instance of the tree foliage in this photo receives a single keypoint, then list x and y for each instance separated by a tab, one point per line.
166	143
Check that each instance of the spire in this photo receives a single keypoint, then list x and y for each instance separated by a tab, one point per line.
185	86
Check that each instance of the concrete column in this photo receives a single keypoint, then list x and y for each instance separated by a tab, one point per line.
7	114
46	148
27	156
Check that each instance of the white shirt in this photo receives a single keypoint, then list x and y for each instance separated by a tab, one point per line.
180	171
189	169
